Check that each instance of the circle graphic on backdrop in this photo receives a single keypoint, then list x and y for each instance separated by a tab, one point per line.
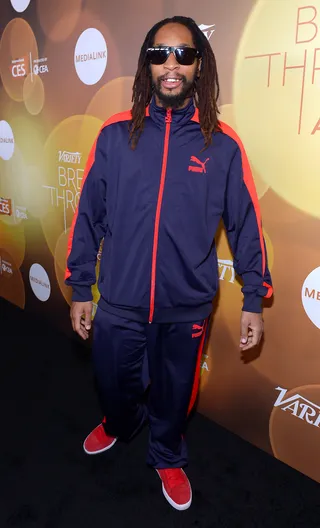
112	98
6	141
33	94
18	51
58	19
276	94
296	414
20	5
39	282
90	56
310	295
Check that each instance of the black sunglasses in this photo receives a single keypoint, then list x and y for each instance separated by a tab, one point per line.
184	55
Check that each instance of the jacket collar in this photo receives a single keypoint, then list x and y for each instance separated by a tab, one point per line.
178	117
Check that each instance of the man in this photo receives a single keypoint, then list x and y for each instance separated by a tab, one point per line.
158	180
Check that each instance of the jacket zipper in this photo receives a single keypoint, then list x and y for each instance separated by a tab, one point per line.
158	214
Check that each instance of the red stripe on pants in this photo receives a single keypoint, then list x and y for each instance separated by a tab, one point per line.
196	382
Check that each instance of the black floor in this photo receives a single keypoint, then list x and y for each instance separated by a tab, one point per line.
48	405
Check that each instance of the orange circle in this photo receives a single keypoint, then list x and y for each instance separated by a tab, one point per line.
58	19
293	428
18	49
11	283
113	97
33	94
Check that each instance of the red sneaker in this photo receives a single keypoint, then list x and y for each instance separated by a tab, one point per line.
98	441
176	487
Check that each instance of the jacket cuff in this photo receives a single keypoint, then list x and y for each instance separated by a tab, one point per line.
81	293
252	303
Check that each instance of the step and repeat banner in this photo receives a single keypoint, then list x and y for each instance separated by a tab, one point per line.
65	68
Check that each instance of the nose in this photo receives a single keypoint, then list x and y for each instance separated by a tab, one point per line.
171	62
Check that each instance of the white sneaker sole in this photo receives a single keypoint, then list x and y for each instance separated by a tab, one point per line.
179	507
99	450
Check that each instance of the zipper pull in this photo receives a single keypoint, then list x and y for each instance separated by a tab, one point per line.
168	118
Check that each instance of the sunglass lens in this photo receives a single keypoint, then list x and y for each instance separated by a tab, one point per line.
157	56
186	56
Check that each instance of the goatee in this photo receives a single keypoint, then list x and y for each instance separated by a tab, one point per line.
174	101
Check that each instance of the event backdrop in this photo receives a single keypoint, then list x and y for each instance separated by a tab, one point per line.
67	66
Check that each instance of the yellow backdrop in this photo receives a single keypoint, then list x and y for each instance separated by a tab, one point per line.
65	68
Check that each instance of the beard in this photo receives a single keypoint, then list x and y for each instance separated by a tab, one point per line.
174	101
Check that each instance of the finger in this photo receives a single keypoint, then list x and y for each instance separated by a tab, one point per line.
83	328
81	331
247	347
256	336
72	321
243	332
87	317
83	334
76	318
252	341
247	342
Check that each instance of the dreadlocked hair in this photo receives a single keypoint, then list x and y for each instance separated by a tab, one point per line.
205	91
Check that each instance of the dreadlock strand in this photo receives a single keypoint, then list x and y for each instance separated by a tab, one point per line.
141	97
207	95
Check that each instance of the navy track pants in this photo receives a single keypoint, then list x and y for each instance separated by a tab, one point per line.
122	349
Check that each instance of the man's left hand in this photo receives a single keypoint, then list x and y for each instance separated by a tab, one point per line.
251	330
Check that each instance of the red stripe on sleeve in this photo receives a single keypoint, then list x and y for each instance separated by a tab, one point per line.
249	181
270	290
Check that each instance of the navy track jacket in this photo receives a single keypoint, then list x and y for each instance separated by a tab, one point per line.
158	208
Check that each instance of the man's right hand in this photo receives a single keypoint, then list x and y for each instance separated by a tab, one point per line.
80	314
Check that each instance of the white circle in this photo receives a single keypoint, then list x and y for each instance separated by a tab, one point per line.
90	56
39	282
311	296
20	5
6	141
